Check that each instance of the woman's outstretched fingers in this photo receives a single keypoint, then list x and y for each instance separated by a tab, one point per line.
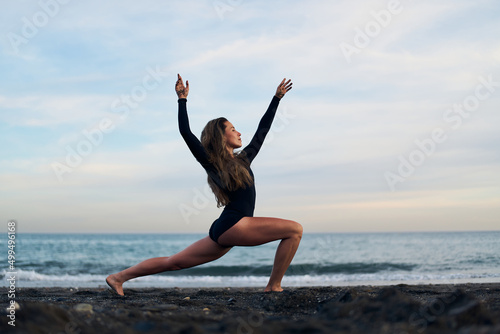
181	90
283	88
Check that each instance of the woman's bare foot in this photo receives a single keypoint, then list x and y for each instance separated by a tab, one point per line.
115	284
273	289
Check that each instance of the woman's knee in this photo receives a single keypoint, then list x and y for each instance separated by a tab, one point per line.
297	229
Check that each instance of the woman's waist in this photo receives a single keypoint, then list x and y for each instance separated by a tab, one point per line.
239	210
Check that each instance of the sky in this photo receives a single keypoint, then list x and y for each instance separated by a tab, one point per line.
391	125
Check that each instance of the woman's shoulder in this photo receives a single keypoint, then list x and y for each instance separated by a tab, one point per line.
243	156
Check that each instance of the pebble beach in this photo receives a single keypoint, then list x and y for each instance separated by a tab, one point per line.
461	308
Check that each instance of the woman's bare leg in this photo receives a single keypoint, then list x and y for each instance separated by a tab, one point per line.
202	251
253	231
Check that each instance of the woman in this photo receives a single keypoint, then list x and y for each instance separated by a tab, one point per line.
232	181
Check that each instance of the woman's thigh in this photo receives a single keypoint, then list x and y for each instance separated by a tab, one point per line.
202	251
253	231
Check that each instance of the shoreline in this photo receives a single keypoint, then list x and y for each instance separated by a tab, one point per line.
402	308
144	283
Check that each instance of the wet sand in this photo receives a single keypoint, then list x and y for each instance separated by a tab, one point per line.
464	308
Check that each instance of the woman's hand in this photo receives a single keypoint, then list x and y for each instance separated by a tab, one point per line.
181	90
283	88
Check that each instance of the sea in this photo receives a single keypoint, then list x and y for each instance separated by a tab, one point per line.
326	259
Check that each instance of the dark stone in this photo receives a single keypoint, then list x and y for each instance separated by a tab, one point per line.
144	326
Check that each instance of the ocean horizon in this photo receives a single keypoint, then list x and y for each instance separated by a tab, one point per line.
323	259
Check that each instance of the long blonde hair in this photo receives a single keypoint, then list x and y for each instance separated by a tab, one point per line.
232	171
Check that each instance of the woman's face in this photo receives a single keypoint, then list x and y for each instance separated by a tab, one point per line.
233	137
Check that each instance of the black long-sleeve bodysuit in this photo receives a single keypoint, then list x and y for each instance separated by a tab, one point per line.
241	201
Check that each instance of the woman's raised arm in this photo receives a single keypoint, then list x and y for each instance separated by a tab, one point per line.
255	144
191	140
